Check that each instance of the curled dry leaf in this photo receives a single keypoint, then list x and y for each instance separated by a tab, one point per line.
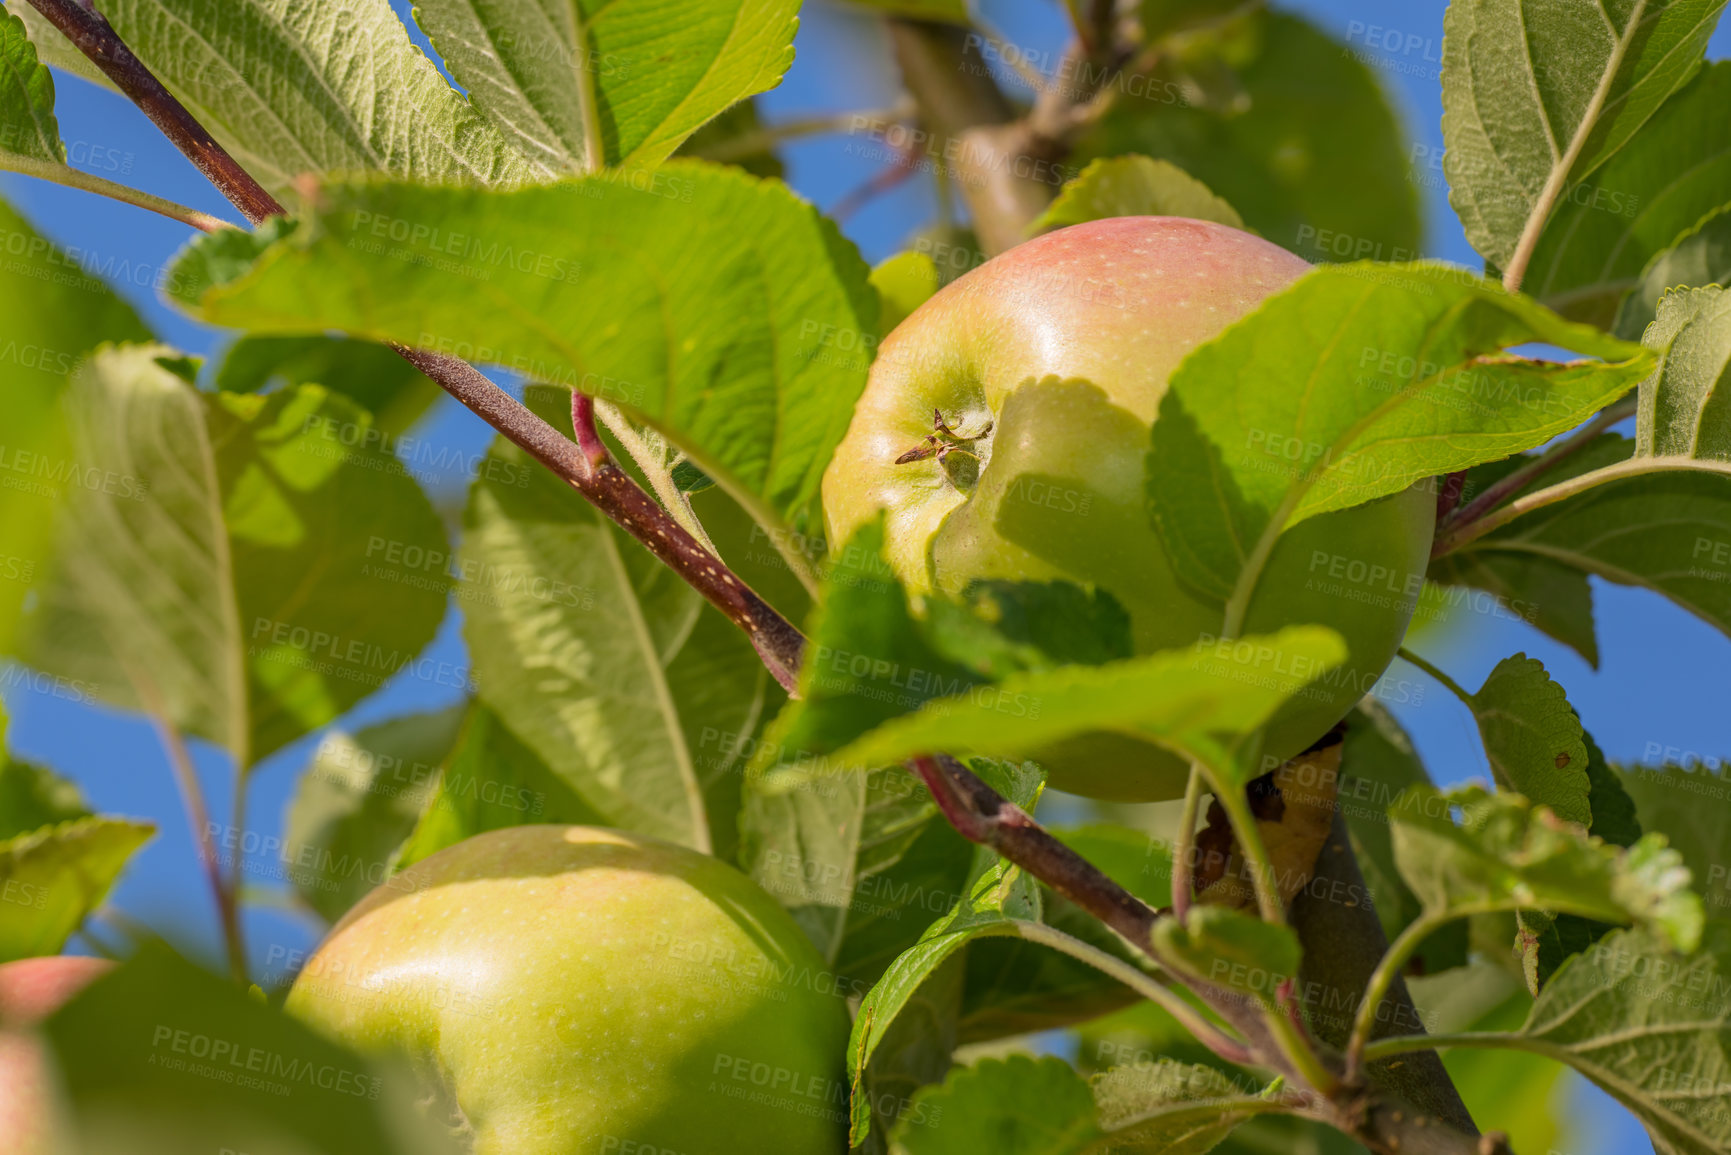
1294	807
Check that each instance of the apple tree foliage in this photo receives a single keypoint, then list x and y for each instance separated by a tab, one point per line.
242	549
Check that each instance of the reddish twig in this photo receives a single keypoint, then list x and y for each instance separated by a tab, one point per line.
980	814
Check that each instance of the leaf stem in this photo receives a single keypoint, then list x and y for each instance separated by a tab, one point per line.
981	815
61	174
96	38
1539	465
827	124
1378	1049
1448	683
1383	977
1249	836
203	831
1540	215
1563	490
1228	1047
1184	848
651	457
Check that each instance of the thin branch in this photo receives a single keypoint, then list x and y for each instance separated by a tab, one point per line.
1528	243
1184	851
1407	1044
649	451
827	124
1563	490
1231	1049
92	35
70	177
198	815
901	170
1393	962
980	814
1543	463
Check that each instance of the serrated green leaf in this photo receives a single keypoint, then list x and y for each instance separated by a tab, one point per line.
356	803
991	676
948	11
1170	1107
1017	1106
1701	256
1506	854
1685	407
1687	805
1041	1106
1672	174
32	797
54	876
1193	702
372	376
612	671
1227	948
222	575
27	124
577	85
1650	1028
489	781
863	862
52	48
51	315
1012	986
1310	151
1403	378
1533	738
997	899
722	309
291	88
125	1048
1537	95
1134	186
1668	530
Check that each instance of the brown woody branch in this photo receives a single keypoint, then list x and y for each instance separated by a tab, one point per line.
599	480
1004	198
980	814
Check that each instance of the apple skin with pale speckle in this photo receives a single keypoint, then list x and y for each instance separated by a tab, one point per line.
568	990
1065	344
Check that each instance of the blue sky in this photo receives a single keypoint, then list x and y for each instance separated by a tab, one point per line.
1661	678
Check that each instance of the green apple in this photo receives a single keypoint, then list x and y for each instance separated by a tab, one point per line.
1059	350
569	990
31	1119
